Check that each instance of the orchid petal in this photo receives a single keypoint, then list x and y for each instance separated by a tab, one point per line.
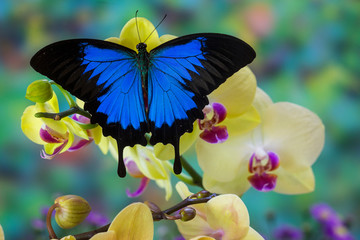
165	184
80	144
229	213
109	235
137	30
69	143
143	183
202	238
133	223
223	161
193	228
244	123
236	93
237	186
294	133
252	235
166	152
261	100
297	182
148	164
75	128
31	125
166	37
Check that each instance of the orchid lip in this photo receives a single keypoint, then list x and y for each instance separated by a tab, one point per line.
260	164
213	133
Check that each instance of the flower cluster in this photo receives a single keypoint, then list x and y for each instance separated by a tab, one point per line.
244	140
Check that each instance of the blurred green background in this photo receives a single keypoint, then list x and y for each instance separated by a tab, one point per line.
307	53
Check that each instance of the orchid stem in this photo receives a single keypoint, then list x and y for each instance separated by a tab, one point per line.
50	229
197	179
66	113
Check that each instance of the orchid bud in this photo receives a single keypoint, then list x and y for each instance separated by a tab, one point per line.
39	91
187	214
71	210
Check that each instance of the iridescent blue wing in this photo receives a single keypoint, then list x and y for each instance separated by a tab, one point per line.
181	73
106	77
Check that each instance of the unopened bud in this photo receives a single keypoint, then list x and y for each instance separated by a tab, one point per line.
39	91
71	210
203	194
187	213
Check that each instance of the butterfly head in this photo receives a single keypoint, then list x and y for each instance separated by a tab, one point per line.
141	47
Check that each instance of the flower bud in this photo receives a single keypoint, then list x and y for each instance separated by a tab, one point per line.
39	91
203	194
71	210
187	213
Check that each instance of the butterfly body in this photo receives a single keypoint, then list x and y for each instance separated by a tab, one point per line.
129	94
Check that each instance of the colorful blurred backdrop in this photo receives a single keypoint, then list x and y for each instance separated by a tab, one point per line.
308	53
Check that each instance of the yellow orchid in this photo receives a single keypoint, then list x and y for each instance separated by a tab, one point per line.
223	217
277	155
142	163
134	222
57	136
2	237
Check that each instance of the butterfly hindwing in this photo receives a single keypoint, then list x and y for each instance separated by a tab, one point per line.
181	73
104	75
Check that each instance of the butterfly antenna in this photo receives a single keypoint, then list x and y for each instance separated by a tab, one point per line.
156	27
137	28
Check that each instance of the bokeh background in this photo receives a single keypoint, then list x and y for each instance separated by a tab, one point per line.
307	53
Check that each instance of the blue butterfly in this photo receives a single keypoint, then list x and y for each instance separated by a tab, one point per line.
129	94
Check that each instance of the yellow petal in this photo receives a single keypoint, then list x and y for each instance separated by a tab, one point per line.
166	37
182	190
236	93
167	152
49	148
298	182
31	125
146	161
229	213
252	235
224	161
261	100
133	223
243	123
109	235
2	237
129	36
100	140
238	185
202	238
165	184
75	128
69	143
193	228
294	133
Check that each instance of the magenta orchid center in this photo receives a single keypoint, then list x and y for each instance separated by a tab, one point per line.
213	115
261	165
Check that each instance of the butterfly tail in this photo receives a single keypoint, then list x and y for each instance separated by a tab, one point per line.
121	171
177	162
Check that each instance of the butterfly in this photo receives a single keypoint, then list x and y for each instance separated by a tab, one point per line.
130	94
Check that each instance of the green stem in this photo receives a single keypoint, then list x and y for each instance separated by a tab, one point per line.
66	113
197	179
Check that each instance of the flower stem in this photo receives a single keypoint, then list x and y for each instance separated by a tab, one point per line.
48	221
197	179
66	113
